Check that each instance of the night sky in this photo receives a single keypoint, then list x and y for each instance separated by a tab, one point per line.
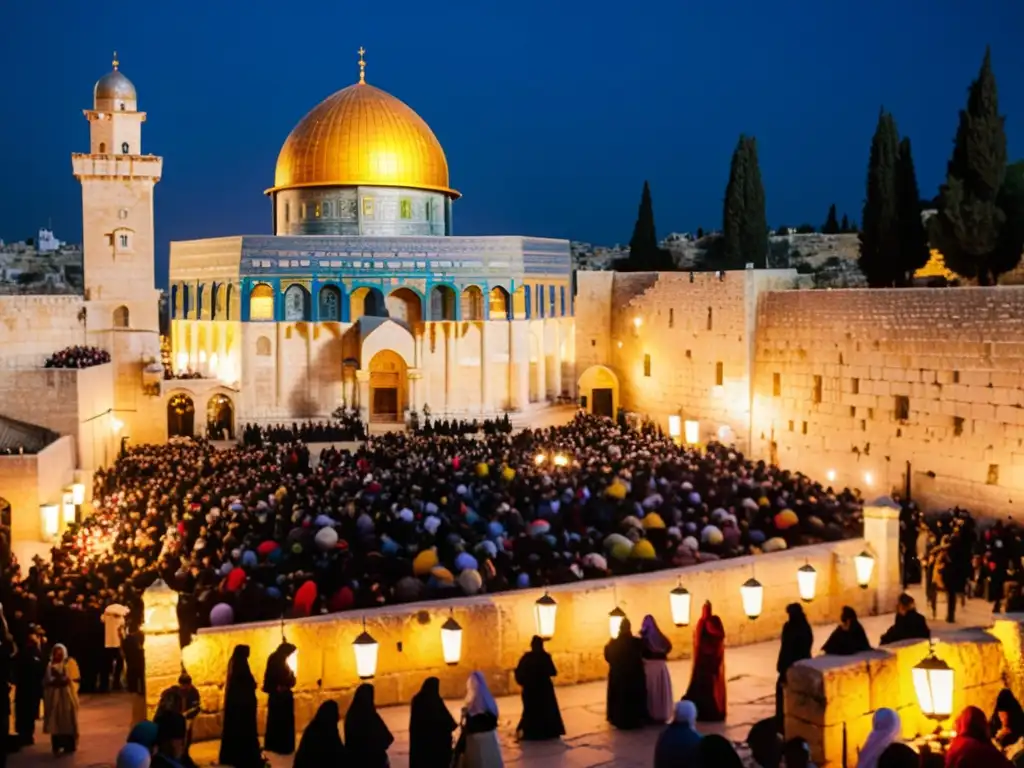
552	114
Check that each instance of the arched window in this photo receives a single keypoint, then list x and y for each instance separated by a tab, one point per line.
263	346
330	304
231	311
472	303
124	147
562	293
121	317
175	301
205	302
296	303
103	148
261	302
442	303
326	208
499	304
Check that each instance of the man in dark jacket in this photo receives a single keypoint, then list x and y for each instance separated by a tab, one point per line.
677	744
909	624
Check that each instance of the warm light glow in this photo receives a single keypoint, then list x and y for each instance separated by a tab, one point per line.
619	344
69	508
214	362
451	641
675	426
868	478
160	606
202	356
724	433
615	621
539	459
293	663
864	563
752	594
679	601
692	431
807	582
116	425
50	520
637	322
78	493
365	648
561	460
182	361
933	684
544	611
831	475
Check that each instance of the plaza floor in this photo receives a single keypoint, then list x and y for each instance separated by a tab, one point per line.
588	743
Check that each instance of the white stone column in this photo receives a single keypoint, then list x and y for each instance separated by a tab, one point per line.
450	365
556	356
542	365
193	346
485	370
415	396
363	384
882	534
279	365
519	356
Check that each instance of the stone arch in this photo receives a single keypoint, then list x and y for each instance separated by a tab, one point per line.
388	386
598	389
296	303
121	318
218	310
220	417
367	300
499	304
405	306
261	302
205	302
181	415
263	346
521	303
442	303
472	303
329	304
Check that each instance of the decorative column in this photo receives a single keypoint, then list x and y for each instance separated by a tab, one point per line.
485	370
278	365
542	364
882	534
163	646
363	385
449	366
556	356
193	346
519	356
415	396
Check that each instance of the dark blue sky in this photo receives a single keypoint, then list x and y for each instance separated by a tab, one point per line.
551	113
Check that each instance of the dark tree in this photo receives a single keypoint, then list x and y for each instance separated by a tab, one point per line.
700	232
969	223
1011	200
831	225
844	225
644	253
744	223
913	248
879	235
806	229
782	230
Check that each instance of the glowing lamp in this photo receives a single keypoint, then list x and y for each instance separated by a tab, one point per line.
365	648
615	619
451	641
752	594
50	519
675	427
561	460
214	362
691	430
864	563
544	611
933	684
637	322
539	459
116	425
831	475
68	507
202	356
78	493
807	582
868	478
293	663
182	361
161	608
679	601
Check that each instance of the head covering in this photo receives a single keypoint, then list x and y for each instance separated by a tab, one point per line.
133	756
972	724
885	730
321	743
717	751
537	643
478	696
144	734
686	712
63	663
430	723
899	756
654	640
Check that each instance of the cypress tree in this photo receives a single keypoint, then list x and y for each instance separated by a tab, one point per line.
1011	201
755	221
644	253
968	225
831	225
734	212
879	234
913	248
844	225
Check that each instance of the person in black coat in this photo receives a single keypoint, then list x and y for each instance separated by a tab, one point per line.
321	743
278	681
240	744
849	637
909	624
7	651
367	738
29	667
541	718
626	706
430	728
797	642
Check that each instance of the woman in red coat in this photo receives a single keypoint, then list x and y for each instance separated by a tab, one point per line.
707	681
973	745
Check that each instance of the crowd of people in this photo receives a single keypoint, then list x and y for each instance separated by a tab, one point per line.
343	428
458	427
78	356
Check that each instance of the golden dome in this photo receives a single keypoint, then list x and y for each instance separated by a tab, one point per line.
362	136
114	86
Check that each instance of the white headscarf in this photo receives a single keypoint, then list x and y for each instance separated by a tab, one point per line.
478	696
686	712
61	666
885	730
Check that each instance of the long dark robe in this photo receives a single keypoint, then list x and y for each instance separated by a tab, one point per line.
367	738
240	744
278	682
707	681
29	667
797	644
321	745
430	728
541	717
846	642
626	707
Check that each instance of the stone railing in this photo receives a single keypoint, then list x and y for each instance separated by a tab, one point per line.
830	700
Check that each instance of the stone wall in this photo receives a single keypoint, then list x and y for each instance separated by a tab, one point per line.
34	327
497	629
28	481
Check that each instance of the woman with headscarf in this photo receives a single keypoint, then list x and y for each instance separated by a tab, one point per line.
885	730
717	751
849	637
367	738
133	756
1007	722
973	746
430	728
240	744
60	702
677	744
707	680
541	718
797	643
320	744
478	745
656	647
278	681
626	705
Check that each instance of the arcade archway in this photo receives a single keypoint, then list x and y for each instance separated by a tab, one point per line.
599	391
220	418
388	386
181	416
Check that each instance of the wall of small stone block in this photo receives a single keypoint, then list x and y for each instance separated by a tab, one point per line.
497	631
34	327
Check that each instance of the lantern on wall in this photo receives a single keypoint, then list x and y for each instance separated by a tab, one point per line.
161	608
933	684
78	494
679	602
49	520
675	426
68	508
615	619
451	641
691	430
807	582
864	563
365	648
544	611
752	594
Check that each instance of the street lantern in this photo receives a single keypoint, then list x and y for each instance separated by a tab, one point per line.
365	648
864	563
544	611
679	601
160	603
691	429
752	594
615	619
68	507
807	582
933	684
78	494
675	426
451	641
50	520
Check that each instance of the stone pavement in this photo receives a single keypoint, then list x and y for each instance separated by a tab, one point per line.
589	741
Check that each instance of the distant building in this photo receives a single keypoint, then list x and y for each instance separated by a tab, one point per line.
46	242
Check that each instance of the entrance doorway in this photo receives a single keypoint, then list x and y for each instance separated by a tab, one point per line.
387	386
220	418
604	402
181	416
385	404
